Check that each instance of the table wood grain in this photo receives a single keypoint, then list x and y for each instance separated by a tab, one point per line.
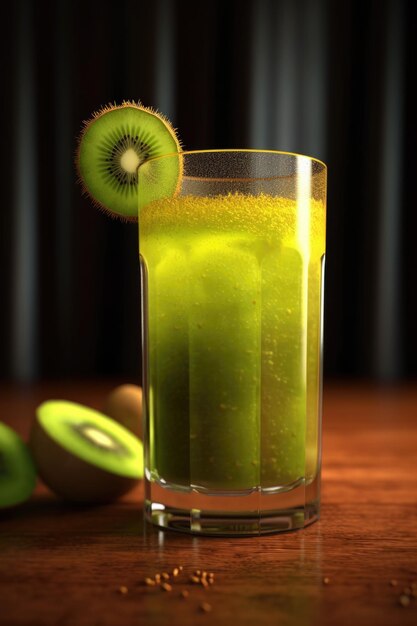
64	565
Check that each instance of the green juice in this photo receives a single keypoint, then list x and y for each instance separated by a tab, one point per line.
233	322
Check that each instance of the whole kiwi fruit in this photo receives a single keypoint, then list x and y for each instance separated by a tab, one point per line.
124	404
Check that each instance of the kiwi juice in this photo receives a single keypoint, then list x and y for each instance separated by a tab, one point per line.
233	326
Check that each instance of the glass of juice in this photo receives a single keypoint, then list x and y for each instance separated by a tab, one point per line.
232	269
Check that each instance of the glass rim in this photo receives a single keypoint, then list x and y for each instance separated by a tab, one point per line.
234	151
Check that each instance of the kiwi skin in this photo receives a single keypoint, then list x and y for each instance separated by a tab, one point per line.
80	482
86	123
124	405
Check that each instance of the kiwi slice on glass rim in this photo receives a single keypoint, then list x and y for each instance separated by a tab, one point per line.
111	147
82	455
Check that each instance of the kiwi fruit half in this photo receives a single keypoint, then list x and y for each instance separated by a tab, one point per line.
124	404
17	471
82	455
113	144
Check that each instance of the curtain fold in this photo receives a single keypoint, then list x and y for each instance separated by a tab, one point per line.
332	80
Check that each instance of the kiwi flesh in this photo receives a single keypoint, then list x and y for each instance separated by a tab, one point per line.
17	471
113	144
82	455
124	404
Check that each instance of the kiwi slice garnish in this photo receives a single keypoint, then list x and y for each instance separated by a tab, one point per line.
17	471
113	144
82	455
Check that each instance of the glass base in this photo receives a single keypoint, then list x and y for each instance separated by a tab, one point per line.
259	512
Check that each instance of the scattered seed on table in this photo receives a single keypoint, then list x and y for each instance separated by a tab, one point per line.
150	582
204	582
194	579
157	578
205	607
393	582
123	590
180	567
165	575
166	587
326	580
175	571
404	600
185	593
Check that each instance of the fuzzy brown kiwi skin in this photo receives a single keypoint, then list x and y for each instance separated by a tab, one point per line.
70	477
86	123
124	405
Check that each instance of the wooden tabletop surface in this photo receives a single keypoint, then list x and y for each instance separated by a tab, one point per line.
62	565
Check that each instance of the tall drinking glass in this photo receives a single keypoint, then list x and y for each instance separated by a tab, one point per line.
232	265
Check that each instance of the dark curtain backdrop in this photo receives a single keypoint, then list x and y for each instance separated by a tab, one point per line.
331	79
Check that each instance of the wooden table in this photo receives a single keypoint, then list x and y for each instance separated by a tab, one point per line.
64	565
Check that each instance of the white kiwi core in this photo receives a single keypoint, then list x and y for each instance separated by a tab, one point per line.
129	161
99	438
